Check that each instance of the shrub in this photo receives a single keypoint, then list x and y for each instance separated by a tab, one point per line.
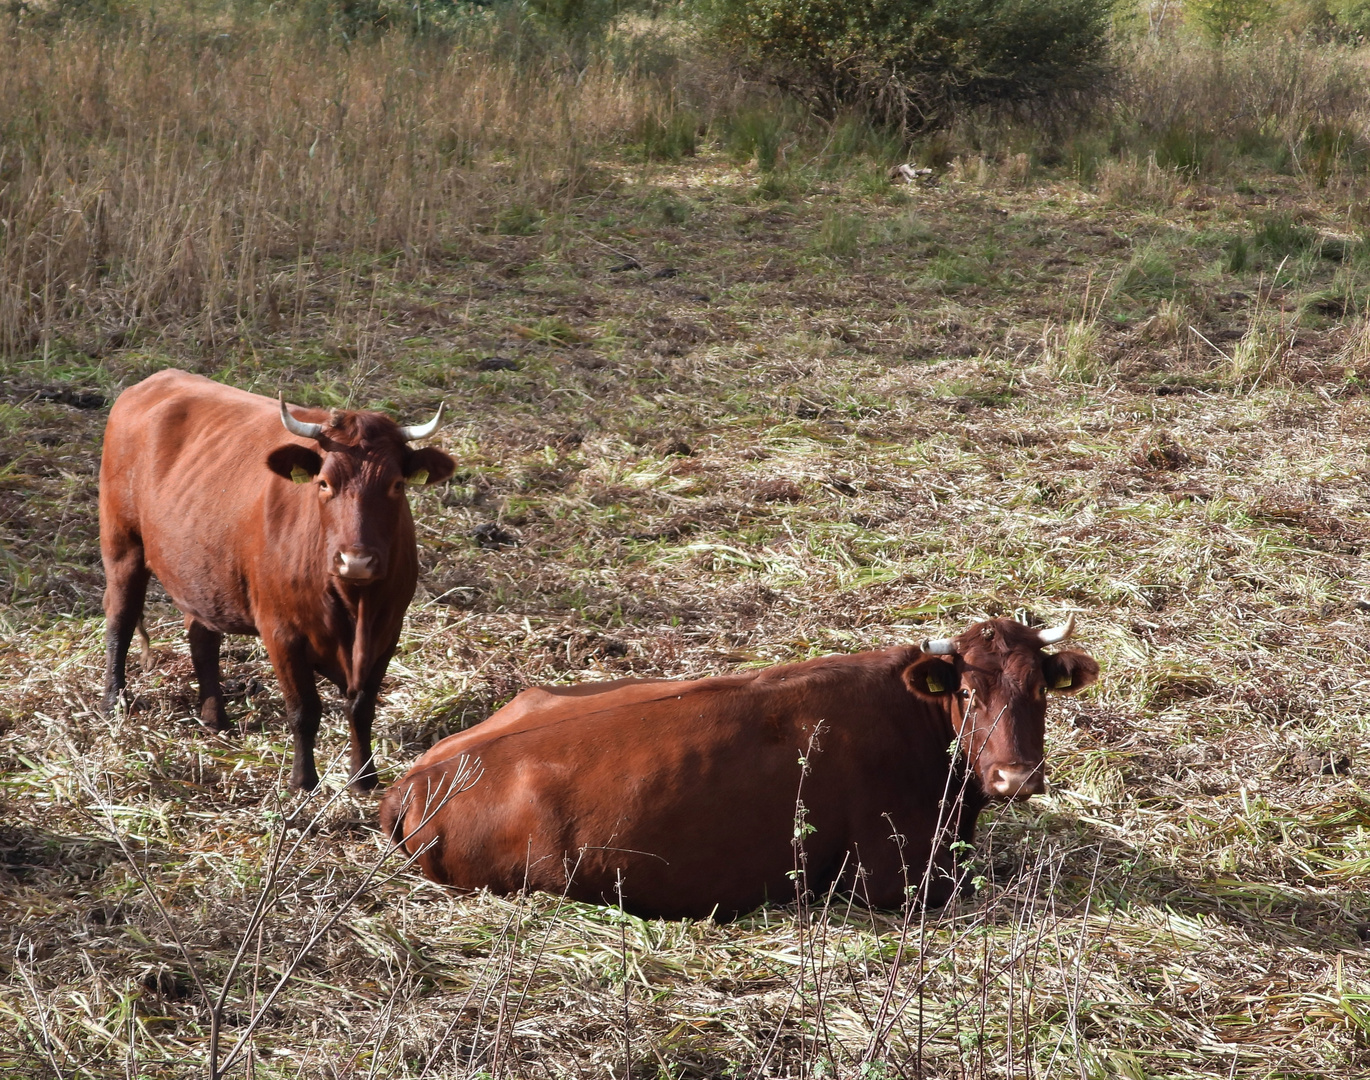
671	139
758	132
912	63
1232	18
578	18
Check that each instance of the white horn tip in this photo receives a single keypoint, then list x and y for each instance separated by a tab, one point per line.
938	646
1057	634
297	427
422	431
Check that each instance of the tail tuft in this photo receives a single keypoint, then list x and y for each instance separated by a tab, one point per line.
144	646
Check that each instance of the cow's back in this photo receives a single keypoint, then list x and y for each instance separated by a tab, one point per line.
685	792
183	472
543	705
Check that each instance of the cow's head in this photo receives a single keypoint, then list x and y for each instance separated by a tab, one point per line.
358	469
994	679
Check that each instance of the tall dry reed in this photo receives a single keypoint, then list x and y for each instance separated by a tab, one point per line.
150	183
1275	87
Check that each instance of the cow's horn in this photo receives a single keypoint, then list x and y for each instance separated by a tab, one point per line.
1057	633
422	431
297	427
939	646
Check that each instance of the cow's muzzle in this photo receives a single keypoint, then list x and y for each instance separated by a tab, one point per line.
357	564
1015	781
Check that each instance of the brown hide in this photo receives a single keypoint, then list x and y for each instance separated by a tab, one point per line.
195	487
679	798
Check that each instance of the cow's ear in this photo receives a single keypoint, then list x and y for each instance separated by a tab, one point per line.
1069	672
931	677
427	466
297	463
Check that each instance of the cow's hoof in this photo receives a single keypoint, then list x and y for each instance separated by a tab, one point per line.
121	702
303	783
214	718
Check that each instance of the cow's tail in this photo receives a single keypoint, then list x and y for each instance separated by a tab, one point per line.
393	812
144	645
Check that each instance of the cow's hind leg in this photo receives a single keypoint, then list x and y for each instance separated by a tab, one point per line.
303	708
126	578
204	654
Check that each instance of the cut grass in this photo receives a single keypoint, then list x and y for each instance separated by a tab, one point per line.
873	458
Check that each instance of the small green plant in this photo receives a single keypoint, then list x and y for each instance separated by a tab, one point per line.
839	235
1072	351
953	271
1256	357
781	184
672	211
760	133
852	138
551	331
675	137
907	229
1184	148
519	219
1325	149
1168	323
1151	274
1083	155
1236	256
1280	235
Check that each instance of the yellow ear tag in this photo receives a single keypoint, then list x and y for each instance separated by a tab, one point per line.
419	476
298	475
1062	682
934	684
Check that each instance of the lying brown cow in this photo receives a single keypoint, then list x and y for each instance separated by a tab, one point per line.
304	538
680	797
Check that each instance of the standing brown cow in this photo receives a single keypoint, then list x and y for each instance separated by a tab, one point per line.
680	798
305	539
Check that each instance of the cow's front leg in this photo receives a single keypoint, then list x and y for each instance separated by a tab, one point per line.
361	712
302	709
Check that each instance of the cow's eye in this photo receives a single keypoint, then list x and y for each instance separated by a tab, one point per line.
323	485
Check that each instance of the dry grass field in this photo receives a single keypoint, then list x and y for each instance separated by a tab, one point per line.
707	415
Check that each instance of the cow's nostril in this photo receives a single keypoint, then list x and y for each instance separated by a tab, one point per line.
1016	781
356	564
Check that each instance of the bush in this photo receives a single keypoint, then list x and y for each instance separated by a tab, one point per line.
912	63
671	139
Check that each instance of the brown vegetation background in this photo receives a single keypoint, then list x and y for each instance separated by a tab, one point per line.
725	396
